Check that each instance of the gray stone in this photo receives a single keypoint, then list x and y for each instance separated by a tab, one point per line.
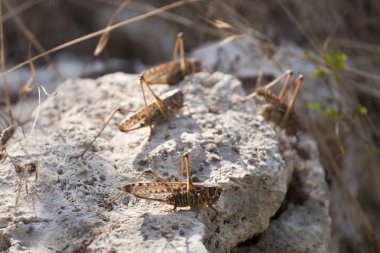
228	144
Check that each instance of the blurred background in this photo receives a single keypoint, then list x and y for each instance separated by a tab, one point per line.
339	40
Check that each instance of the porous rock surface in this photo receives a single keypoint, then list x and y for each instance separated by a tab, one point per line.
303	224
64	211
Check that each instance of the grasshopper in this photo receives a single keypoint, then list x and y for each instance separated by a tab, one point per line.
151	114
277	110
173	72
161	109
156	112
179	194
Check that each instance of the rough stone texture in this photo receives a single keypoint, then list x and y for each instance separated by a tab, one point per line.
230	145
304	223
246	58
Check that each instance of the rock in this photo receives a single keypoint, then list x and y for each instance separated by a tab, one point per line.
5	243
247	59
228	144
303	224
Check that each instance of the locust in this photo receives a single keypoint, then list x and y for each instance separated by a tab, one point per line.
152	114
178	194
173	72
276	110
161	109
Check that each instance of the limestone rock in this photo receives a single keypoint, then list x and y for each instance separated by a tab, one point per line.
228	144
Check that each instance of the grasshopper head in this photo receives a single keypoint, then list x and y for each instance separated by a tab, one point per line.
175	99
271	113
268	111
276	114
194	66
214	193
127	188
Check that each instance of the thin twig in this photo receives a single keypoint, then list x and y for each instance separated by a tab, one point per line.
299	26
20	8
100	32
104	38
28	34
3	68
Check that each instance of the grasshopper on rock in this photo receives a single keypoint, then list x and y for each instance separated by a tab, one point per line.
173	72
179	194
277	110
160	109
152	114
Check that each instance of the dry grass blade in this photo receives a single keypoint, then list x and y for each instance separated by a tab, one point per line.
27	88
360	45
172	17
39	105
28	34
2	63
217	23
100	32
299	26
20	8
104	38
362	73
368	228
103	41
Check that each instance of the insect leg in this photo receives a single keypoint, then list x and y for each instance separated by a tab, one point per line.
188	179
129	188
292	100
181	171
176	46
152	199
281	96
188	175
182	53
269	85
151	173
160	104
115	198
88	145
216	213
145	103
213	208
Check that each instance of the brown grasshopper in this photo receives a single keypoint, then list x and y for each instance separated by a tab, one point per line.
161	109
194	195
276	110
173	72
155	112
150	115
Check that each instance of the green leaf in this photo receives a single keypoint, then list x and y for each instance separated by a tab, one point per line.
327	58
336	59
336	76
331	113
314	106
360	110
320	72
